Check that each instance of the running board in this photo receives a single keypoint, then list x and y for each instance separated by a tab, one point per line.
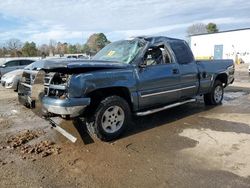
164	108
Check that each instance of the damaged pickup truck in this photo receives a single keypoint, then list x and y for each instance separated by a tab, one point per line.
140	76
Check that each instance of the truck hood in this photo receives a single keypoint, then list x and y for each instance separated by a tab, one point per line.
80	65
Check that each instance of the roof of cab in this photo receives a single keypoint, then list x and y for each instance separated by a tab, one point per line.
156	39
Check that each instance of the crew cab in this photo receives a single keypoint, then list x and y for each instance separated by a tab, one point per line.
138	76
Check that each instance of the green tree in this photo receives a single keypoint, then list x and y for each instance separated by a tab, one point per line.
86	49
101	41
96	42
29	49
212	28
72	49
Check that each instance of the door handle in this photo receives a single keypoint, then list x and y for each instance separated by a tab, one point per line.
204	74
175	71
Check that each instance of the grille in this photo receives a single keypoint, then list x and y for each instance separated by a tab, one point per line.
55	85
28	77
47	81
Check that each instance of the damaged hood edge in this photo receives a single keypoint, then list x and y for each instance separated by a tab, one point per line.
86	65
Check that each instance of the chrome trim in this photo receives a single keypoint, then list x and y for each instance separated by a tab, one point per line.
73	111
164	108
30	71
169	91
26	85
58	87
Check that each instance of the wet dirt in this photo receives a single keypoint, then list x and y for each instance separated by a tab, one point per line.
43	149
187	146
22	138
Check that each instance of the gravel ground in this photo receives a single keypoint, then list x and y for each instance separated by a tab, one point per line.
187	146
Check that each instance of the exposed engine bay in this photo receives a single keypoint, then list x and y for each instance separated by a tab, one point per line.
55	84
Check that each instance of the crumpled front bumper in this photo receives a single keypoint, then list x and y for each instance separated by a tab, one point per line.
72	107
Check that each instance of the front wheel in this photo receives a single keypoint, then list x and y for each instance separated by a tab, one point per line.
215	97
110	118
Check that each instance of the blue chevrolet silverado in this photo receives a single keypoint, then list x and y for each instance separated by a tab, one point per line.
139	76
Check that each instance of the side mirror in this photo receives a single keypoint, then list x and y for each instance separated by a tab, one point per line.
143	64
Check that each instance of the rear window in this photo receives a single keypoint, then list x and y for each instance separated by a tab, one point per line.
182	52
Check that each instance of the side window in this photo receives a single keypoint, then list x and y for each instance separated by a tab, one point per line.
182	52
12	63
25	62
157	55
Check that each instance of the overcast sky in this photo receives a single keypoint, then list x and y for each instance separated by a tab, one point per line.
74	20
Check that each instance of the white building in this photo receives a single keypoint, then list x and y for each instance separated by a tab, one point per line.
233	44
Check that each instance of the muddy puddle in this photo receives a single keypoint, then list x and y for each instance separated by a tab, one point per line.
228	96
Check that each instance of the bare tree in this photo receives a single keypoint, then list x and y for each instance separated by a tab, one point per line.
198	28
61	48
43	50
52	47
13	45
79	48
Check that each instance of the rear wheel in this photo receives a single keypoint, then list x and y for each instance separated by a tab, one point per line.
215	97
110	118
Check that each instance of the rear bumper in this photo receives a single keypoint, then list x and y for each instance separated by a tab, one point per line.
72	106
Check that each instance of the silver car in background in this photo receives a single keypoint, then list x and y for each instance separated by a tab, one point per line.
14	65
11	79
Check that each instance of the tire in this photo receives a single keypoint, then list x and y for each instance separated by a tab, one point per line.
110	118
215	97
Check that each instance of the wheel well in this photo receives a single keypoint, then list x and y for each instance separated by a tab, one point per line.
99	94
223	78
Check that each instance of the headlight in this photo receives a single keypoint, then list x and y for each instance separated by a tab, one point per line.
11	77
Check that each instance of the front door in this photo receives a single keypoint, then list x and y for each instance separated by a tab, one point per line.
159	80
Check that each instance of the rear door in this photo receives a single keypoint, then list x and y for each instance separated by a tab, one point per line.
159	80
189	79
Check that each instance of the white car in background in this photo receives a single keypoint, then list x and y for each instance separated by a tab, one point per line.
11	79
